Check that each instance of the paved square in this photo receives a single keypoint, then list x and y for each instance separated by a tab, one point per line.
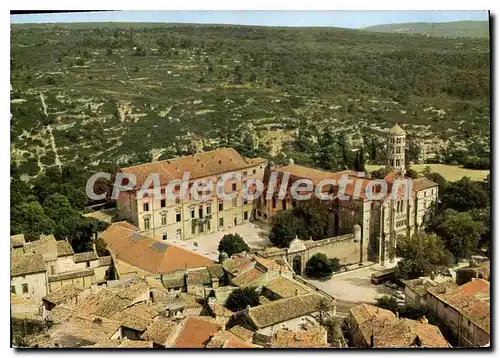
254	233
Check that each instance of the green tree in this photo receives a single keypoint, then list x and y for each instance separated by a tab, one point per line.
410	173
380	173
460	232
284	228
464	195
319	266
313	217
232	244
240	298
30	219
439	179
20	192
420	255
387	302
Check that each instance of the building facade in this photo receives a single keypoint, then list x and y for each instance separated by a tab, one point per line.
185	217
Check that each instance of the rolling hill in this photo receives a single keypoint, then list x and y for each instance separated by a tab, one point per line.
455	29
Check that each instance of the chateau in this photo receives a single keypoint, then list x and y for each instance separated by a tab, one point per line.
381	217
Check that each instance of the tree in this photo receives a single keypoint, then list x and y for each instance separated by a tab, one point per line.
410	173
58	208
380	173
101	247
319	266
439	179
232	244
313	217
50	80
20	192
284	228
30	219
420	255
387	302
464	195
460	232
240	298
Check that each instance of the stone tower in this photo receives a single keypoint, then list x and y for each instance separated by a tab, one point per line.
396	148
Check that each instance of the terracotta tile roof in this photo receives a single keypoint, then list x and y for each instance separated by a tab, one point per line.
63	293
137	317
312	337
125	343
60	313
216	271
218	310
46	245
238	264
85	256
423	183
76	332
284	287
174	279
280	310
17	240
199	165
159	331
389	331
195	332
252	277
181	300
315	175
369	318
26	264
409	333
471	300
64	248
24	308
199	276
150	255
102	215
70	275
420	285
108	301
228	340
242	332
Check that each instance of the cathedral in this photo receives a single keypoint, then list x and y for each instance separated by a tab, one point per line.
382	219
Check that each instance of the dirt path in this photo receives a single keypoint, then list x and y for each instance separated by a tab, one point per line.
49	128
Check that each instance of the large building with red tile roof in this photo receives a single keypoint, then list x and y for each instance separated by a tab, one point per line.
184	217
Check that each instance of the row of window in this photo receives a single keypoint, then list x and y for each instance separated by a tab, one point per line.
145	206
397	140
24	288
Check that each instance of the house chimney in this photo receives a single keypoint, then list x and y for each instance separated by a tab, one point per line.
372	341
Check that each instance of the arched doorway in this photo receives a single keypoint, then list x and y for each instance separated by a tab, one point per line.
297	265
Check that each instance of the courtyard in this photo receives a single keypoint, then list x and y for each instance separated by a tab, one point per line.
254	233
354	286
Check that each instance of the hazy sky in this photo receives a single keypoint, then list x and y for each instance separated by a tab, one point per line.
349	19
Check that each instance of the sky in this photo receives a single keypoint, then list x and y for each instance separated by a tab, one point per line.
348	19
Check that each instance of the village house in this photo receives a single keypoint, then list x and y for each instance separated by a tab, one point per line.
464	309
310	337
184	218
416	291
267	318
374	327
61	266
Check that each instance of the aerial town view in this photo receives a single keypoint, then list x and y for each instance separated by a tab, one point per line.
243	179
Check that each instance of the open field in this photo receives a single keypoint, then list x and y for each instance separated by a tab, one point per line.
449	172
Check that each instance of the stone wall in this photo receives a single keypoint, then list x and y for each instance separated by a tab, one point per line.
345	248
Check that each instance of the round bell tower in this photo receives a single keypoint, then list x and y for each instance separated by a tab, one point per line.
396	148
